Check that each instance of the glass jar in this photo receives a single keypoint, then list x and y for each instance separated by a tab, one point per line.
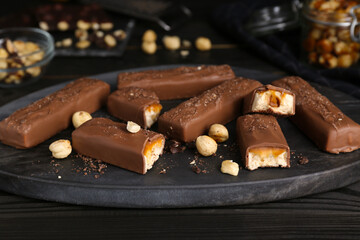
330	31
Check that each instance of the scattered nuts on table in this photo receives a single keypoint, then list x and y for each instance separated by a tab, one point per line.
106	26
80	117
186	43
110	41
119	34
203	44
63	26
149	36
60	149
218	132
205	145
66	42
99	34
58	44
230	167
171	42
149	47
83	44
184	53
132	127
81	24
81	34
44	26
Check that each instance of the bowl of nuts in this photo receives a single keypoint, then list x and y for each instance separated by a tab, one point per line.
24	55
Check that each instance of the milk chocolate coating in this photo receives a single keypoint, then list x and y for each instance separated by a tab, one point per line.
258	131
44	118
220	104
129	104
249	100
110	142
182	82
329	128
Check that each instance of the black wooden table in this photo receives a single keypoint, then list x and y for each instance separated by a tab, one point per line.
329	215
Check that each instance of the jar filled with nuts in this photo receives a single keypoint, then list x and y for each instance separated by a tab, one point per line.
330	32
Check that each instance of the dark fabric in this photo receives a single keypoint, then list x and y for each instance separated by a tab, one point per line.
282	49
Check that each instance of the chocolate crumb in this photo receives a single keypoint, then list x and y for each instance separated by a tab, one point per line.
174	146
163	171
196	169
303	160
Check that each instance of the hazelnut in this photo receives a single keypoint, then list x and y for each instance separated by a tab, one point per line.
60	148
44	26
63	25
99	34
81	24
230	167
184	53
324	46
328	60
106	26
149	47
83	44
110	40
80	117
66	42
218	132
149	36
95	26
81	34
203	44
19	45
341	48
132	127
205	145
34	71
345	61
171	42
119	34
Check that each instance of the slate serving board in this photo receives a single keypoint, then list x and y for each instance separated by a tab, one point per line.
172	183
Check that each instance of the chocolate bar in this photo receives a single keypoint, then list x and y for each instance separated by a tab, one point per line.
181	82
329	128
44	118
269	99
261	142
64	17
220	104
110	142
135	104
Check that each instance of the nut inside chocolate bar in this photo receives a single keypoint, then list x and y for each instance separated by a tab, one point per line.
267	157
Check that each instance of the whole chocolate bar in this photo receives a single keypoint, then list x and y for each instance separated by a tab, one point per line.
269	99
182	82
135	104
220	104
44	118
110	142
261	142
329	128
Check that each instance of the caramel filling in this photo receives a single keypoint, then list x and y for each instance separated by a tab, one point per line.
274	100
152	152
267	157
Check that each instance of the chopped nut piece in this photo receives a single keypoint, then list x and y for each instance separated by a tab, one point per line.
230	167
218	132
132	127
149	47
110	41
149	36
106	26
67	42
63	26
186	43
95	26
184	53
60	148
83	44
81	24
171	42
205	145
80	117
58	44
44	26
203	44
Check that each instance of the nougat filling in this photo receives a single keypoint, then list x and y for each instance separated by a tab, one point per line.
267	157
152	113
279	102
152	151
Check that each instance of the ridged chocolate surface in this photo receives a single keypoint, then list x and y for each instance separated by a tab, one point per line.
193	117
109	141
130	103
325	124
249	100
176	83
259	130
42	119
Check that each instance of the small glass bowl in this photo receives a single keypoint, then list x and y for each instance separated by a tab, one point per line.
31	64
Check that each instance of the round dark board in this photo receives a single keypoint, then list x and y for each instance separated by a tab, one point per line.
171	182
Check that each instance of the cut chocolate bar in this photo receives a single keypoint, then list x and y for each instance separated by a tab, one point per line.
44	118
271	100
110	142
182	82
135	104
329	128
220	104
261	142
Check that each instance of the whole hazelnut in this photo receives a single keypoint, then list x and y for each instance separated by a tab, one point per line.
172	42
205	145
110	41
218	132
203	44
230	167
132	127
149	36
149	47
60	148
80	117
